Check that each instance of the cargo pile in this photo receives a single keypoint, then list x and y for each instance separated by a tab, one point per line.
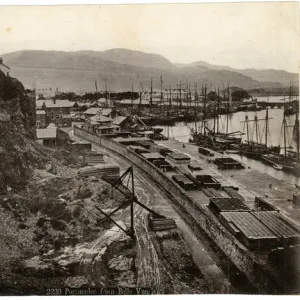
178	158
194	166
208	181
138	149
92	158
105	171
184	182
228	163
157	223
205	151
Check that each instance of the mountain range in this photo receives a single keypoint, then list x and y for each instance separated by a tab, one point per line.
74	71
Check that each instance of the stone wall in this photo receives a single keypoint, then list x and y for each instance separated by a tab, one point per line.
258	274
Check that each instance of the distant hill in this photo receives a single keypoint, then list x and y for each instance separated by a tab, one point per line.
132	57
271	75
267	75
120	68
205	64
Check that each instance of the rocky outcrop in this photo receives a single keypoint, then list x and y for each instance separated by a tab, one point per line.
17	133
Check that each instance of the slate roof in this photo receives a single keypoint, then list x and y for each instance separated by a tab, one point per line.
106	111
92	111
99	118
119	120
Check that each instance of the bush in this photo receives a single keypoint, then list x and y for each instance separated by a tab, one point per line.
76	212
83	193
58	225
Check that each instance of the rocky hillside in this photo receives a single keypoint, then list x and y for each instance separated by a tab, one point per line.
17	133
45	209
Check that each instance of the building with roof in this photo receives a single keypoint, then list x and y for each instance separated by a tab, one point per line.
121	121
57	111
92	111
46	136
101	125
40	119
106	112
4	68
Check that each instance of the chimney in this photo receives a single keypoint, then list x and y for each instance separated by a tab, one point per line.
54	100
1	60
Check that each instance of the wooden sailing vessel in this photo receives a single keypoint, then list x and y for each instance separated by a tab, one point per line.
213	138
254	148
158	114
291	107
288	162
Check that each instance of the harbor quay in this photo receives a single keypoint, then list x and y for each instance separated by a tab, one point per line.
251	182
213	202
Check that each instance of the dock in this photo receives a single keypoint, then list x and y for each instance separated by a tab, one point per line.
222	204
250	183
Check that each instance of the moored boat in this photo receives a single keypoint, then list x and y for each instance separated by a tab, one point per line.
277	167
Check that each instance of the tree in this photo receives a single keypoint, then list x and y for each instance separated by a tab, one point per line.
240	95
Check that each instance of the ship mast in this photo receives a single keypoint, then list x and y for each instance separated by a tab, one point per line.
170	100
256	128
297	136
204	112
297	131
247	128
224	100
195	106
177	96
106	94
227	108
284	134
187	97
161	92
180	94
151	96
132	95
215	110
218	110
96	86
190	96
141	88
267	128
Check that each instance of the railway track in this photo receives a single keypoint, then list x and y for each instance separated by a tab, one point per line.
226	283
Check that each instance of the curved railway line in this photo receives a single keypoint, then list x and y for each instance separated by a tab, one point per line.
220	273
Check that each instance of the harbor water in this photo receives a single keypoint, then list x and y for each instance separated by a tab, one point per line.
182	132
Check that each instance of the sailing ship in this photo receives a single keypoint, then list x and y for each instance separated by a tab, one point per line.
291	107
162	115
213	138
289	161
255	149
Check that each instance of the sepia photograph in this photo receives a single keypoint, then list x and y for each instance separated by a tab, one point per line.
150	149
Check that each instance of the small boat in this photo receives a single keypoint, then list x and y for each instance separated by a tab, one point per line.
277	167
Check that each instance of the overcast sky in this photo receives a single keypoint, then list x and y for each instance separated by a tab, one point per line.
241	35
